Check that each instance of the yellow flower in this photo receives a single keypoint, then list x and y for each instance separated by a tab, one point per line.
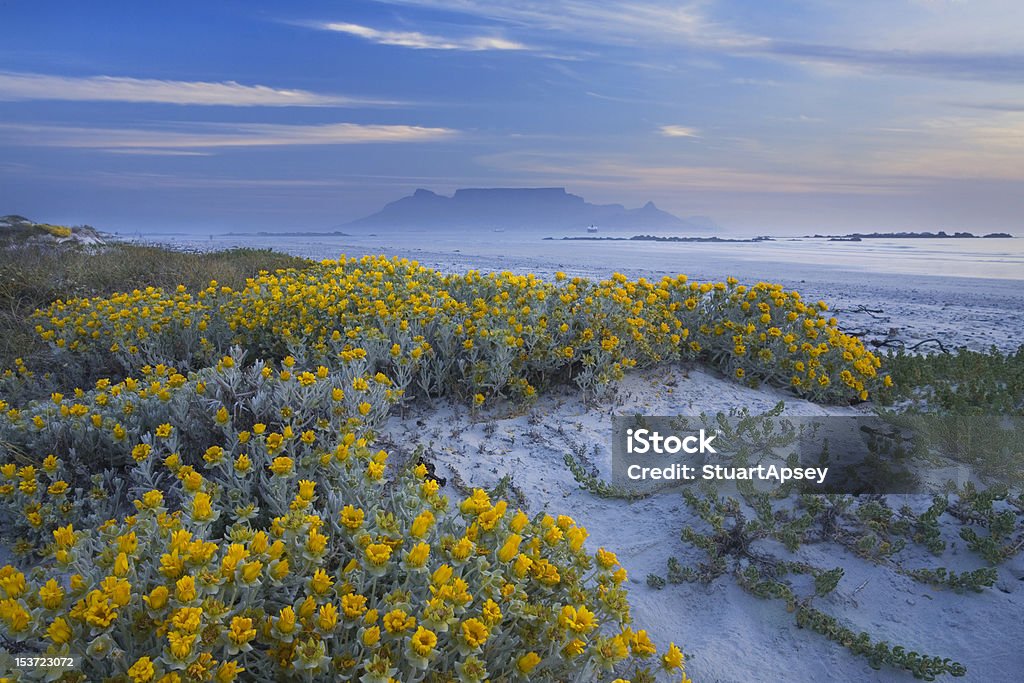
353	605
142	671
606	559
274	443
397	621
574	648
202	510
378	554
462	549
286	620
281	465
251	571
228	672
98	610
421	525
474	632
213	455
491	613
351	517
423	642
327	617
578	620
185	589
16	617
64	536
320	582
374	471
51	594
59	631
173	462
476	503
673	659
306	489
429	488
418	555
241	630
157	598
188	619
151	500
306	608
528	662
371	636
316	542
181	644
121	566
280	570
141	452
519	521
510	548
641	644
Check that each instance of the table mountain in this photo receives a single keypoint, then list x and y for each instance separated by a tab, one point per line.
523	209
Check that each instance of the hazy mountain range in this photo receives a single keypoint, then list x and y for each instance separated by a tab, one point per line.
524	209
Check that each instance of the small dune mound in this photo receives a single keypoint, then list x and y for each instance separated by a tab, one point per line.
19	228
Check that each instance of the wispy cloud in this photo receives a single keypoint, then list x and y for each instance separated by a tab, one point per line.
143	151
988	50
679	132
621	172
423	41
990	106
15	86
957	65
210	136
623	23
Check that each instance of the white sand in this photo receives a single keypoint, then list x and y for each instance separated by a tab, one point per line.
731	635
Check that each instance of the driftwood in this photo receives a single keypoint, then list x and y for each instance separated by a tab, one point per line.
899	343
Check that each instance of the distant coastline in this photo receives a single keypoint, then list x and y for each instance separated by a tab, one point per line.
657	238
858	236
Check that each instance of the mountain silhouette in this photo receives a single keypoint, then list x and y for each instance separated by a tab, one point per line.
524	209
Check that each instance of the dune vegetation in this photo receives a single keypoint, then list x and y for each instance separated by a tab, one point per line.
191	486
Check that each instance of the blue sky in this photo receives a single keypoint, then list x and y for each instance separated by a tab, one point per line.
768	116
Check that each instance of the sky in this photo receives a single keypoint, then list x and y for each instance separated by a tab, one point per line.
784	117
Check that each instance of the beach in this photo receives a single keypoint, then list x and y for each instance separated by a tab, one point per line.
903	294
